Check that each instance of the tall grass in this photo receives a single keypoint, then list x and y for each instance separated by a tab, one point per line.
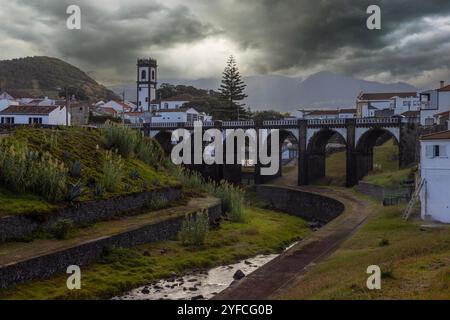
24	170
121	138
129	142
194	229
112	171
232	196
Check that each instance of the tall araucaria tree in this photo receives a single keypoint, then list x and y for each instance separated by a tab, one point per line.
232	91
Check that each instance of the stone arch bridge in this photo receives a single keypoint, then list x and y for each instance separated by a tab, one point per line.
359	136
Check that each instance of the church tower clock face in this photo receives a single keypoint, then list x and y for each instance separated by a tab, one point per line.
146	83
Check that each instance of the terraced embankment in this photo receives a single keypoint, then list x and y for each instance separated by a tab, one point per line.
39	259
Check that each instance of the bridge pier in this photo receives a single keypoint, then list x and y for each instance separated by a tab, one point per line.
302	155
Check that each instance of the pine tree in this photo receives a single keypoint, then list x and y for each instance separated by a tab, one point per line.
232	91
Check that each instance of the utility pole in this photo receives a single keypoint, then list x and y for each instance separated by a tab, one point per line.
67	106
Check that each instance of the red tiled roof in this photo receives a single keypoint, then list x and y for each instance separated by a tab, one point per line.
445	113
321	112
109	110
443	135
411	113
445	89
347	110
385	95
37	110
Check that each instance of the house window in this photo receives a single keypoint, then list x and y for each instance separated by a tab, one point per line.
166	105
35	120
429	121
146	99
7	120
434	151
144	75
140	89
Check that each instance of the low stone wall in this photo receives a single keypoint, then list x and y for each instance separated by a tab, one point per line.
22	226
309	206
44	266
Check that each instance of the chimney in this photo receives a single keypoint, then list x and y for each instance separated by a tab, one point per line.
442	84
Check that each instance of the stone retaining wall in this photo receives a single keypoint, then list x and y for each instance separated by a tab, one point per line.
22	226
309	206
44	266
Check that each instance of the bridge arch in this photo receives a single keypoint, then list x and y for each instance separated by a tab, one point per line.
164	138
365	148
316	151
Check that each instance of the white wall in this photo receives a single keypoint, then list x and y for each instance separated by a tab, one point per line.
164	117
5	103
435	197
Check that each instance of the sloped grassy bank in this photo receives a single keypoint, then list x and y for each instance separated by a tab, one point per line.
42	169
120	270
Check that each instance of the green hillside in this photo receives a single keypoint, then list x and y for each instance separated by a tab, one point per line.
41	169
36	76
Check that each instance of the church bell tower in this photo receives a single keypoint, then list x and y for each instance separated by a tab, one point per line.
146	83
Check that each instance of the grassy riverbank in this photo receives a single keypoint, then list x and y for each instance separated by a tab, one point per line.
386	170
414	260
264	232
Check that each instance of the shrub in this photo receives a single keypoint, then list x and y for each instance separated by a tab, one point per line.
194	229
150	152
75	169
121	138
134	174
75	191
157	203
61	228
112	171
24	170
383	243
99	190
232	197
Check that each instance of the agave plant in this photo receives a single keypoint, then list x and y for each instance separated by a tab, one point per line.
75	191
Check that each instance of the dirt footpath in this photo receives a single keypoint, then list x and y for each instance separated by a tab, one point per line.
274	278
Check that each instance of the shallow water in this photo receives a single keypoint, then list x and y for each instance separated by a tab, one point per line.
197	286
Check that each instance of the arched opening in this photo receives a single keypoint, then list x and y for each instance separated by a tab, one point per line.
326	158
288	153
143	75
377	153
164	138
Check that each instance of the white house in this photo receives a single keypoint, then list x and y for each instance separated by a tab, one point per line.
316	114
435	171
347	113
5	103
176	115
400	102
434	102
134	117
118	106
20	114
171	103
6	95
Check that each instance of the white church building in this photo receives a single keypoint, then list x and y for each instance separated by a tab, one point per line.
435	172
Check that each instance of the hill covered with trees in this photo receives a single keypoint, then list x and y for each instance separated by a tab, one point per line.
37	76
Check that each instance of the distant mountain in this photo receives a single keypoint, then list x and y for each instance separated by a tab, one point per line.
36	76
320	90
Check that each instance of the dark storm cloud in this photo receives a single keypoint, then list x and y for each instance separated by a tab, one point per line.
305	33
293	36
112	37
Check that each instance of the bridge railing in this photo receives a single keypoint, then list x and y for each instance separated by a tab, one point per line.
248	123
377	121
280	123
315	122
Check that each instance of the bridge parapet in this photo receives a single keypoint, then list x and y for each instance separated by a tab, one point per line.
319	122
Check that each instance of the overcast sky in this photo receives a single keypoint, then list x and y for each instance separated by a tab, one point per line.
191	39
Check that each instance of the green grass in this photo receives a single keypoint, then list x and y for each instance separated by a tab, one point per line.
415	262
386	169
17	204
76	144
119	270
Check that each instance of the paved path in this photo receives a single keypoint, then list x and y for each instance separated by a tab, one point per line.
286	270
